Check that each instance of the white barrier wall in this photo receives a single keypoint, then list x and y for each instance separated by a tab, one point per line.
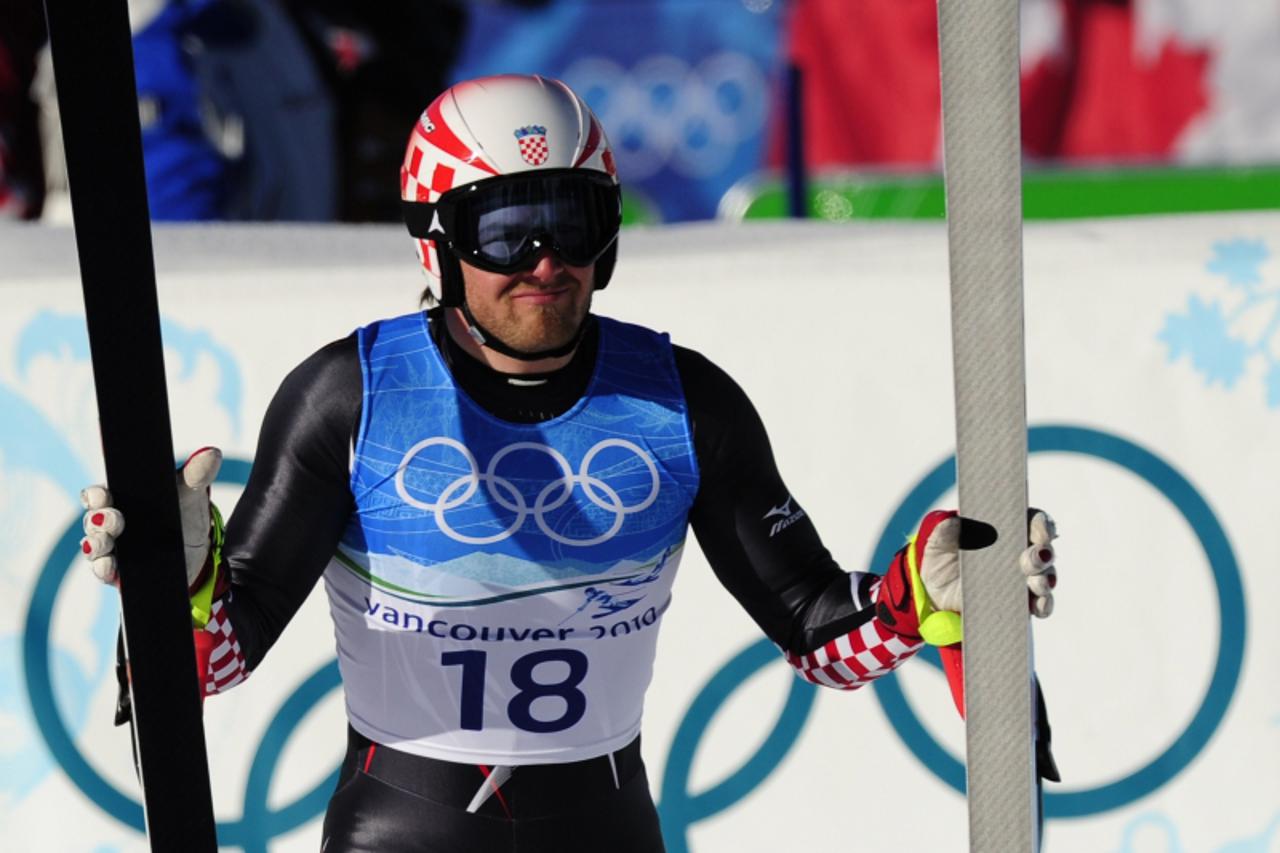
1154	403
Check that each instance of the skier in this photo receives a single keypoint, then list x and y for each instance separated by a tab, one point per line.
497	491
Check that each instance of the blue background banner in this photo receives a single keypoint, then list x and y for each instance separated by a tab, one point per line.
684	89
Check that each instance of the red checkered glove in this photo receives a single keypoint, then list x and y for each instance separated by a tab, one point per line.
201	525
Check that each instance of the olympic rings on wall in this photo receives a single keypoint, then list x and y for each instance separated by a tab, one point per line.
681	807
1128	785
504	493
664	112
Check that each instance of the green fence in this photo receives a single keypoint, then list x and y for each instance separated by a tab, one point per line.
1047	193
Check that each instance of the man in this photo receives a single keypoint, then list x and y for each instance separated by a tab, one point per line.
497	493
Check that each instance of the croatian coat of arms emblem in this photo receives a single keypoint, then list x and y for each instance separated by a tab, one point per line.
533	144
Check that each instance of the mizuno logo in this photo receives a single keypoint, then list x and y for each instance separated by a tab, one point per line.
787	515
783	510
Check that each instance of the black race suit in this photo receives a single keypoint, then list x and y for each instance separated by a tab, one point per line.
297	502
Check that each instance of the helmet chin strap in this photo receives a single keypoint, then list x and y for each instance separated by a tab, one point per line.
485	338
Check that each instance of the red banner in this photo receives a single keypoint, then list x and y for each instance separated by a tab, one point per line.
1103	81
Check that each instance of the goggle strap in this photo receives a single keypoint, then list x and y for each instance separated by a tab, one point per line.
422	219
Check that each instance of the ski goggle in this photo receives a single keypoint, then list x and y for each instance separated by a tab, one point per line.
503	224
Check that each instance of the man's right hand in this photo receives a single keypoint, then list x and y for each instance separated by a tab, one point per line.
103	523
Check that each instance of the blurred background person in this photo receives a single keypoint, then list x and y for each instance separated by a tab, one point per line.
190	148
379	63
21	160
236	122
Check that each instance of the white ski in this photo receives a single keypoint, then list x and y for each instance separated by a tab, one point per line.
982	150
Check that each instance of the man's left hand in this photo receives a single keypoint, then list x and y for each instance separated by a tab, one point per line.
944	534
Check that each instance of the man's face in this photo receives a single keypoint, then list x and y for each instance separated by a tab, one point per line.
531	310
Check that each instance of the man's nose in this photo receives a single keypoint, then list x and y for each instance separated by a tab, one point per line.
548	266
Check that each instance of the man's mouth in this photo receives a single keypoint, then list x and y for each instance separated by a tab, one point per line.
531	294
543	296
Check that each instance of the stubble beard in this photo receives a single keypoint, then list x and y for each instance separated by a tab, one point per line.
535	328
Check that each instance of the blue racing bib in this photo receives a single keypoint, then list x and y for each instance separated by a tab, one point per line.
498	590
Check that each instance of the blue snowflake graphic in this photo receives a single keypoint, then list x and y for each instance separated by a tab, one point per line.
1239	260
1211	333
1150	829
1204	334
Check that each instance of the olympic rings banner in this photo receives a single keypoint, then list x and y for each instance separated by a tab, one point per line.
1154	403
684	89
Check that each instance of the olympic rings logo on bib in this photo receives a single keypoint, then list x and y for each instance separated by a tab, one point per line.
504	493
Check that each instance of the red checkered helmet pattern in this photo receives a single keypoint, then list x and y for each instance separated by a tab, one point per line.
491	126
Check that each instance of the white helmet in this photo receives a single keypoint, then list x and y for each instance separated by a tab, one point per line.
499	169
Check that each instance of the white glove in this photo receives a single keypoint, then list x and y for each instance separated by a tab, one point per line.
940	561
103	523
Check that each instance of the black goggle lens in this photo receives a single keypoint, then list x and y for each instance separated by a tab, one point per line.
509	235
504	225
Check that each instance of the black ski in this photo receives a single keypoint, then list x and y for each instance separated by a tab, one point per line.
97	97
